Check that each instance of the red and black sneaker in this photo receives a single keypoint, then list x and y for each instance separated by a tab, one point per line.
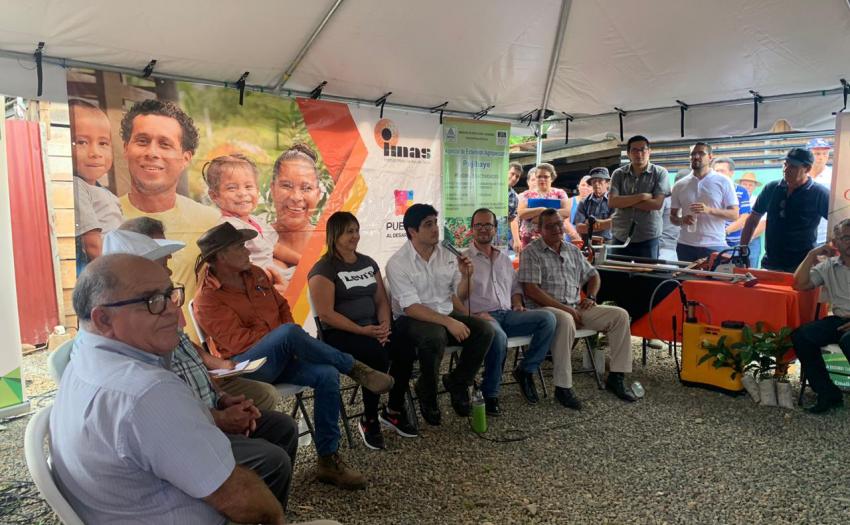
370	431
398	422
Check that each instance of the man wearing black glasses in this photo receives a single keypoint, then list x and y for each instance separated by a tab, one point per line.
262	439
637	192
496	297
794	207
127	437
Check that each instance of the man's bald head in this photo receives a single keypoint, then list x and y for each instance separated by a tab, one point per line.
105	279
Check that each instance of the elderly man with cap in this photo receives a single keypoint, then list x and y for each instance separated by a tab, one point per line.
596	205
794	207
129	442
821	174
245	318
265	442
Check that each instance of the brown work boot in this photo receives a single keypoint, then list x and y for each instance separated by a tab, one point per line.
371	379
333	470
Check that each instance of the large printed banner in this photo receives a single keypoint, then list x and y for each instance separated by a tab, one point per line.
839	199
475	167
312	158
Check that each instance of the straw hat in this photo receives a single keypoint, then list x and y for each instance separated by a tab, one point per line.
749	177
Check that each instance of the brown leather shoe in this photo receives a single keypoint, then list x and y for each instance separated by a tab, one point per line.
333	470
371	379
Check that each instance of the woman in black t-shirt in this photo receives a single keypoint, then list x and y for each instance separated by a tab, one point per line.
349	298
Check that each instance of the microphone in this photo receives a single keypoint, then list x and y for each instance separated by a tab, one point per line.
450	247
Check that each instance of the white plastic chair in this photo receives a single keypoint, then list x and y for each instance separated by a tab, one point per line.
585	334
38	431
284	389
59	359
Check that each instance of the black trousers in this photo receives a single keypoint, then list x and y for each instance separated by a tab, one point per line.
431	341
394	356
808	340
269	451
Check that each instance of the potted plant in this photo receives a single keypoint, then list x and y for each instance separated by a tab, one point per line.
729	356
766	349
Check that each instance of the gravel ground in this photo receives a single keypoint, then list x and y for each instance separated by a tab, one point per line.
680	455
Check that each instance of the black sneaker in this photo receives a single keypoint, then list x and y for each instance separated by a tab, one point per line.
370	431
460	397
492	406
429	408
398	422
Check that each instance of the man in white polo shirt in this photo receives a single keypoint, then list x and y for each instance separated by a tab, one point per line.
428	285
707	200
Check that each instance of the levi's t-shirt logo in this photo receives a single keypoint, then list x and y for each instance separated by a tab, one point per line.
364	277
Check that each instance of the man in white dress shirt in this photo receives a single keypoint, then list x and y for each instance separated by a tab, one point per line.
428	286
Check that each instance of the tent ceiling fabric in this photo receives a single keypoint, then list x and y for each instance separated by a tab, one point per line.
637	55
473	53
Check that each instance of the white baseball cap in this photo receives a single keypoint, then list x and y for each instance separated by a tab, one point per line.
124	241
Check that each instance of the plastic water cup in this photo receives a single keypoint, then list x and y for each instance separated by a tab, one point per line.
637	390
693	226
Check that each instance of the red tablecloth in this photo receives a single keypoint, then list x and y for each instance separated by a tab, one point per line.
777	305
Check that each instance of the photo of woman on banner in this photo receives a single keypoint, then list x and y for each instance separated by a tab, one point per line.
296	194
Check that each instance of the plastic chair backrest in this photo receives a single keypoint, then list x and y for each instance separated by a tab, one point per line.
38	430
201	335
59	359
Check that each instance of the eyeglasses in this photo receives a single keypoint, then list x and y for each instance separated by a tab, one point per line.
483	226
157	302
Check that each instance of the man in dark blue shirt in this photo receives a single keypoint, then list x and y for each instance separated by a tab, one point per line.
596	205
794	207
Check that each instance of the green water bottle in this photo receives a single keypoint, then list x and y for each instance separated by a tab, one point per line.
479	412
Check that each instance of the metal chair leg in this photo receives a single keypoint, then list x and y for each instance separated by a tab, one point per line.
542	382
299	406
410	408
595	371
344	415
643	350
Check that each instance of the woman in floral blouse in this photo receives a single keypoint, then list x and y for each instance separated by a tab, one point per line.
545	175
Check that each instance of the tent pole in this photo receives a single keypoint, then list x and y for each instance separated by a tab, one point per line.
306	47
553	67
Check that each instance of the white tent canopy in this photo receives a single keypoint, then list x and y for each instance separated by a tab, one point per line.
475	53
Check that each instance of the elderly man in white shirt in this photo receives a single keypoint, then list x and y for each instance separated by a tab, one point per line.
130	443
428	285
497	297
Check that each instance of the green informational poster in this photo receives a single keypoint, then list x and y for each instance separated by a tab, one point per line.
475	175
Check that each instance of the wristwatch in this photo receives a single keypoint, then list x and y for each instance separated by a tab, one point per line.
591	297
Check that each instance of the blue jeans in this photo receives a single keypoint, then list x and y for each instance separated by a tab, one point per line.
755	252
686	252
539	324
296	357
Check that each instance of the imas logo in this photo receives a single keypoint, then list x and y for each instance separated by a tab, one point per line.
387	138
